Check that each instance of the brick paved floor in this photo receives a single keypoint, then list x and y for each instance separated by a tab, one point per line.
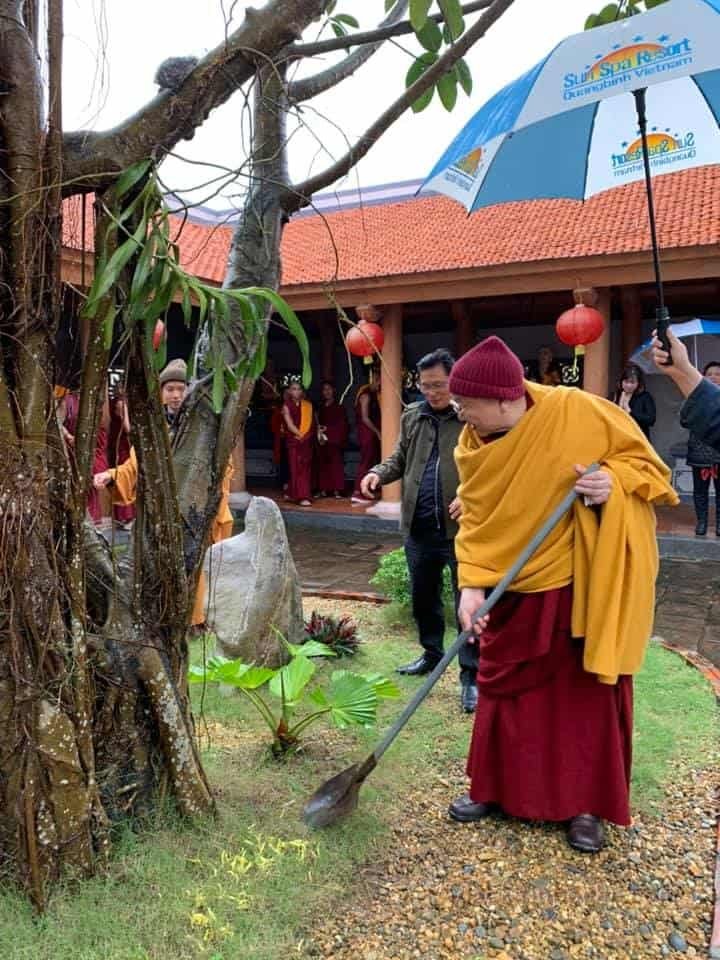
688	606
688	592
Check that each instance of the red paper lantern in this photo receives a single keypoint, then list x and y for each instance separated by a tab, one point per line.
365	338
580	325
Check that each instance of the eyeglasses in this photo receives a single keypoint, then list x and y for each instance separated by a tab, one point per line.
433	387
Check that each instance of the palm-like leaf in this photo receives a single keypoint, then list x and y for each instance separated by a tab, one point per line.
350	699
384	688
245	676
289	682
313	648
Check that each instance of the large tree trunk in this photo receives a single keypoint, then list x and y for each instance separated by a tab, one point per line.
94	712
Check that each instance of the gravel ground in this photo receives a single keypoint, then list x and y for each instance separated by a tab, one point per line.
511	890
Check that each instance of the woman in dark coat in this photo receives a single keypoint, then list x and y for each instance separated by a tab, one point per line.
632	396
705	462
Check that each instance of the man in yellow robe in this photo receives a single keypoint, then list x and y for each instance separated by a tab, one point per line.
553	726
123	479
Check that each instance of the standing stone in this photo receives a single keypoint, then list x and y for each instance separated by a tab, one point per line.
254	589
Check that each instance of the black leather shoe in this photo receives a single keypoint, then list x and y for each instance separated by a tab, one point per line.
419	667
586	833
468	696
466	811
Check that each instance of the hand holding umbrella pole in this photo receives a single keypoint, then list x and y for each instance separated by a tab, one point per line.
338	797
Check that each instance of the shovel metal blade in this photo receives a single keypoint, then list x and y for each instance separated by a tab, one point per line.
336	798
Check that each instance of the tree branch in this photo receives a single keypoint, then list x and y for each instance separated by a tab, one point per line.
373	36
320	82
298	195
97	158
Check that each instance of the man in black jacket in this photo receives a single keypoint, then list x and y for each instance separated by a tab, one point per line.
423	459
701	411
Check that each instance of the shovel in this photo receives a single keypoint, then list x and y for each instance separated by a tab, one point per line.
338	797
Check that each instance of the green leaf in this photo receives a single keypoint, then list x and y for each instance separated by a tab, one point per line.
292	322
608	14
162	299
143	269
128	178
352	700
447	90
313	648
347	19
294	677
418	13
417	69
117	263
186	303
338	29
384	688
430	36
235	673
650	4
464	76
423	101
109	324
452	12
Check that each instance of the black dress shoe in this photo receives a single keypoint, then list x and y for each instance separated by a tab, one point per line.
586	833
418	667
468	696
466	811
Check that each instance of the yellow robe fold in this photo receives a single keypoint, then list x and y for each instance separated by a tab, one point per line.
510	486
124	491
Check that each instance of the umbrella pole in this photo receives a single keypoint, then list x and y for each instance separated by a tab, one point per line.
662	313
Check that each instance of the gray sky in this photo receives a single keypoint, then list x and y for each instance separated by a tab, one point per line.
113	47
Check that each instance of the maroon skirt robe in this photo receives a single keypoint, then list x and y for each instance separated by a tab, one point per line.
300	458
330	463
549	740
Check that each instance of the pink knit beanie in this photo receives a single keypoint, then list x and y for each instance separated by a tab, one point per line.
489	370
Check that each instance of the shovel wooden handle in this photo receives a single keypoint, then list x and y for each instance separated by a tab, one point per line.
489	603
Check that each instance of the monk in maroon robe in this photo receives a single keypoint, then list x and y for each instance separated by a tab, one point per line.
553	725
332	438
367	418
300	441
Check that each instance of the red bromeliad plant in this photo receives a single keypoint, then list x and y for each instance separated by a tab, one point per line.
340	635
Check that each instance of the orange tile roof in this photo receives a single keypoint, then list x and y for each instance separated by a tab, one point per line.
430	234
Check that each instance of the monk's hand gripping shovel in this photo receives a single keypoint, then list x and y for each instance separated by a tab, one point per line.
338	797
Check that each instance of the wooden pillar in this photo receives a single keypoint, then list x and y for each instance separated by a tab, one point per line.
631	336
597	355
464	327
390	403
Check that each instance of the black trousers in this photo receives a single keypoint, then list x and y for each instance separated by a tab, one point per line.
427	556
701	492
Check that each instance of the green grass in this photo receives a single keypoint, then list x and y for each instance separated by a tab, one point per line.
244	887
676	724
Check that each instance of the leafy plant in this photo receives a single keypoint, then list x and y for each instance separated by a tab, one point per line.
619	11
139	262
393	578
349	698
341	635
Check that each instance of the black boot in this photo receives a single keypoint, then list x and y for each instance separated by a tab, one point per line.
702	506
717	519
